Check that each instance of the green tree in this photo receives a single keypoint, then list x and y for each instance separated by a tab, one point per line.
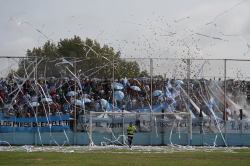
144	73
11	73
92	60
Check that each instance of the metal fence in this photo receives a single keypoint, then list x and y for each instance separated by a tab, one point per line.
197	86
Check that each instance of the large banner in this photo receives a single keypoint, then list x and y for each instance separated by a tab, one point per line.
230	126
147	124
41	124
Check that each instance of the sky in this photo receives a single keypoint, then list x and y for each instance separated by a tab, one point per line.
140	29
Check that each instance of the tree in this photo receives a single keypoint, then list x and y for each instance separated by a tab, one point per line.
144	73
11	73
91	60
158	76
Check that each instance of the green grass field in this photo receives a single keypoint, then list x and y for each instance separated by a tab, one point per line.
242	157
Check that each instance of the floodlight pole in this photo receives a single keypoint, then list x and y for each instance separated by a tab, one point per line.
225	84
151	88
225	91
90	127
151	102
113	86
190	117
34	73
25	68
75	100
36	89
113	89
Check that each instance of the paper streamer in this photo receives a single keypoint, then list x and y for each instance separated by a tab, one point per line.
235	105
232	35
225	12
191	101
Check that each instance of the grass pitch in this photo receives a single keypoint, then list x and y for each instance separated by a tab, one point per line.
121	157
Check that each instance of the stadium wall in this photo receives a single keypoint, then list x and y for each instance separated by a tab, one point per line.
59	138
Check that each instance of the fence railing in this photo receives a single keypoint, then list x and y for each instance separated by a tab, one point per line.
214	88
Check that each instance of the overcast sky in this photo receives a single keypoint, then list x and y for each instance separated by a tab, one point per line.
139	29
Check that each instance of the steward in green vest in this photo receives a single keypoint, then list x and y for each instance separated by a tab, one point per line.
130	131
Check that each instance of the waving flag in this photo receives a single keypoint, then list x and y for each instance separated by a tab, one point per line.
168	94
161	97
169	86
125	82
172	102
176	92
212	101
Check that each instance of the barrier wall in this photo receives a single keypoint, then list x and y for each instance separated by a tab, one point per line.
144	139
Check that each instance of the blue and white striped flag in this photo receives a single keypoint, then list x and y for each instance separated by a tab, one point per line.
176	92
169	86
212	101
125	82
168	94
161	97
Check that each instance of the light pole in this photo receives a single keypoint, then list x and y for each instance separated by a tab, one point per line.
190	117
75	99
113	86
36	89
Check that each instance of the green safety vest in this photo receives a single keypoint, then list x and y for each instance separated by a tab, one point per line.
129	128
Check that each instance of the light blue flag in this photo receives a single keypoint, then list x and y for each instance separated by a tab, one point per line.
125	82
169	86
212	101
169	95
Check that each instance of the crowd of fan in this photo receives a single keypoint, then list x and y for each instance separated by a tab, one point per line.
237	91
16	96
